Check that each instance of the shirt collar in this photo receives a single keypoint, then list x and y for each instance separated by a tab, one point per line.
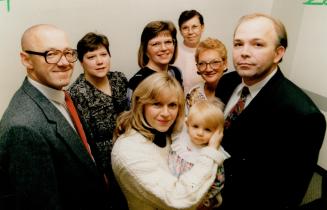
52	94
254	89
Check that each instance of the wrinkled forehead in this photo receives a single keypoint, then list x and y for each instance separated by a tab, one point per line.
258	27
44	38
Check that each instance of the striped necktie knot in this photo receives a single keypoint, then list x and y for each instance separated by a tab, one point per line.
237	108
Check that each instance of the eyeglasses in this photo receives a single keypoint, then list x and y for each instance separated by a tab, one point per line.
54	56
158	45
214	64
185	29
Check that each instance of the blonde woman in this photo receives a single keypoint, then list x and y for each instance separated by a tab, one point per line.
140	153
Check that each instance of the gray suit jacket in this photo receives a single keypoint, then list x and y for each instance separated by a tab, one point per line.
43	163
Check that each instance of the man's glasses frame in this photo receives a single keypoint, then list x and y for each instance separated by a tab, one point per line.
54	56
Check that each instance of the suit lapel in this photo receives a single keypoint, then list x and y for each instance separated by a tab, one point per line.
227	85
64	129
267	93
260	102
263	100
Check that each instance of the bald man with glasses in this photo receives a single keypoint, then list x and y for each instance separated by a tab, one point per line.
43	162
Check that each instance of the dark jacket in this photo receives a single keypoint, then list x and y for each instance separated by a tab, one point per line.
274	145
145	72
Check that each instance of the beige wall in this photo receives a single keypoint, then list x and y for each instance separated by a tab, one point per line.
305	62
122	21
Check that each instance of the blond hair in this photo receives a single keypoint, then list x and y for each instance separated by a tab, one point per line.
211	44
147	92
210	111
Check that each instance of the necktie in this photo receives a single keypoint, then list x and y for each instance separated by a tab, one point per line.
237	109
80	130
77	122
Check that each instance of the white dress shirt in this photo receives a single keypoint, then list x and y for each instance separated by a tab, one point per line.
254	90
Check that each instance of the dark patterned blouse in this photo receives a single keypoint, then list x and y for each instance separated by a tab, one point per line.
98	112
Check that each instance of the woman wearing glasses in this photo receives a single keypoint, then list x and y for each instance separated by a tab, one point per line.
157	51
191	28
100	96
211	62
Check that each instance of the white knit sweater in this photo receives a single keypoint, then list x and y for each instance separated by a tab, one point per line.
141	169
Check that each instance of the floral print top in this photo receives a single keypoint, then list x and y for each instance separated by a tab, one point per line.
98	112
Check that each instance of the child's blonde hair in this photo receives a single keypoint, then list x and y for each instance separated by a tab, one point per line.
211	112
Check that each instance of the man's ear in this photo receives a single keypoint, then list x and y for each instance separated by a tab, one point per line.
280	51
26	60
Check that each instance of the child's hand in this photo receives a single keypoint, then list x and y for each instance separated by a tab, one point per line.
215	139
203	207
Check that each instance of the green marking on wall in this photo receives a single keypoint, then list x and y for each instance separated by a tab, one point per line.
6	3
315	2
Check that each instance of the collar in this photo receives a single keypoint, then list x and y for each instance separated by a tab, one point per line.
254	89
160	138
55	95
